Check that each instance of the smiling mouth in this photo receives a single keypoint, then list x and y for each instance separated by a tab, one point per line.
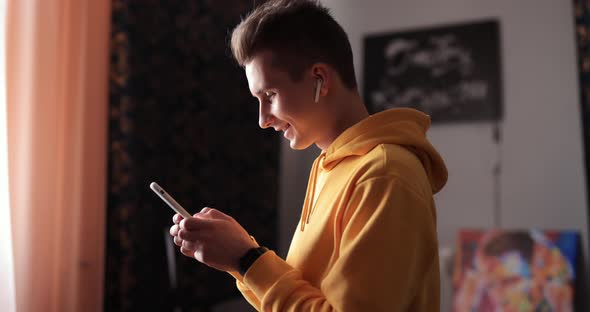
285	134
284	129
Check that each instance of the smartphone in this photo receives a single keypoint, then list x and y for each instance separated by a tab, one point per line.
169	200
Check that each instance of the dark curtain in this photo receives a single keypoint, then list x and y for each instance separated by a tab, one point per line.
181	115
582	27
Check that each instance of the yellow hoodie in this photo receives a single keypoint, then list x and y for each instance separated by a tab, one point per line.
367	238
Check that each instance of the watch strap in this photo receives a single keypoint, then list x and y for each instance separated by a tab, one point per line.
249	258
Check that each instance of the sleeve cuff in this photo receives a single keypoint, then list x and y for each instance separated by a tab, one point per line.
265	272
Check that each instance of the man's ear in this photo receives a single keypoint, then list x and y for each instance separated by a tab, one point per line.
322	78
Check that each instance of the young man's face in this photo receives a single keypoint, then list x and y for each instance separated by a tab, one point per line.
285	105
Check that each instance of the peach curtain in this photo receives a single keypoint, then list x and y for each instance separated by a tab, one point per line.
7	297
57	67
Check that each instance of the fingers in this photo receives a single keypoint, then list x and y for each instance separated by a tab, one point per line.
181	235
184	244
190	245
176	218
187	252
188	235
184	237
201	221
186	225
178	241
191	234
174	230
191	224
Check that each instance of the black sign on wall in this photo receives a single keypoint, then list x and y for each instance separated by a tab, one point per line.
450	72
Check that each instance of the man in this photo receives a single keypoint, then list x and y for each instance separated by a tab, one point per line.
367	238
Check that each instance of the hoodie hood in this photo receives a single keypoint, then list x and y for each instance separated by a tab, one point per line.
401	126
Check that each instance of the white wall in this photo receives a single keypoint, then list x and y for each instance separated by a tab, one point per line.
542	183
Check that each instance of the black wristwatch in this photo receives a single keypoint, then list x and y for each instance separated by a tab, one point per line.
247	259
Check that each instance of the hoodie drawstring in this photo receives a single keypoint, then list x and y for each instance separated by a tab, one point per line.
310	194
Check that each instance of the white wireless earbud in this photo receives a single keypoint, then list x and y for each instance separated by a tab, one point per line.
318	87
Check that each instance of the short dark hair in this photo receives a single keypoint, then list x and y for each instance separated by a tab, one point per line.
299	33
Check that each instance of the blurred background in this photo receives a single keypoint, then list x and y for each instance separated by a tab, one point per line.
101	97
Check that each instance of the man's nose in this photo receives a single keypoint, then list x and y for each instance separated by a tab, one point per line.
265	118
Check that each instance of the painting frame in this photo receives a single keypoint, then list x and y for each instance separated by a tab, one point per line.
451	72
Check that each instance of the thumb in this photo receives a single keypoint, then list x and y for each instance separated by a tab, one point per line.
213	213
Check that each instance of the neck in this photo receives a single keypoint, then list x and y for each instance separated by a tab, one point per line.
346	110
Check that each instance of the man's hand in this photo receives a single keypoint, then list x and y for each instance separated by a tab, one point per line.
212	238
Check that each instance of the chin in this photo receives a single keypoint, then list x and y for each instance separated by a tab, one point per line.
297	145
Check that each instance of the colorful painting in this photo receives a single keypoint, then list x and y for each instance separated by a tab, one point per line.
498	270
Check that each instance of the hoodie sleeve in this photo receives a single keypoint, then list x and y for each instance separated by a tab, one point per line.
246	292
387	255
